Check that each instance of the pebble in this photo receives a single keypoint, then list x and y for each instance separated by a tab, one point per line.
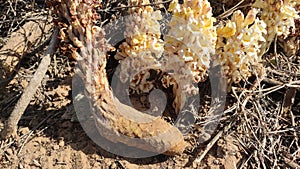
113	166
24	83
21	166
55	147
9	151
24	130
216	162
61	142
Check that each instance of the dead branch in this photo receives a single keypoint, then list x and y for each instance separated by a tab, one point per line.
12	123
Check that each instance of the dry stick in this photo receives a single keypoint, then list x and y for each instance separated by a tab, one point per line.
226	128
12	123
291	163
209	146
230	11
212	143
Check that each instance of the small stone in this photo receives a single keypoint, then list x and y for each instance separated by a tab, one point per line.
21	166
113	166
55	147
9	151
24	83
24	130
216	162
27	160
61	142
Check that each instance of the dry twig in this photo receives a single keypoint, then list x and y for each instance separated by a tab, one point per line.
212	143
12	123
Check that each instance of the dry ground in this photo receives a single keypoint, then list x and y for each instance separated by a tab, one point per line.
259	129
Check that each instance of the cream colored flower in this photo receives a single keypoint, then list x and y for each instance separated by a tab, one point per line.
189	45
279	15
192	36
238	45
143	46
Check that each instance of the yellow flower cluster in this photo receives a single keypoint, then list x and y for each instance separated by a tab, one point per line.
193	42
189	44
238	45
192	36
143	46
279	15
186	50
